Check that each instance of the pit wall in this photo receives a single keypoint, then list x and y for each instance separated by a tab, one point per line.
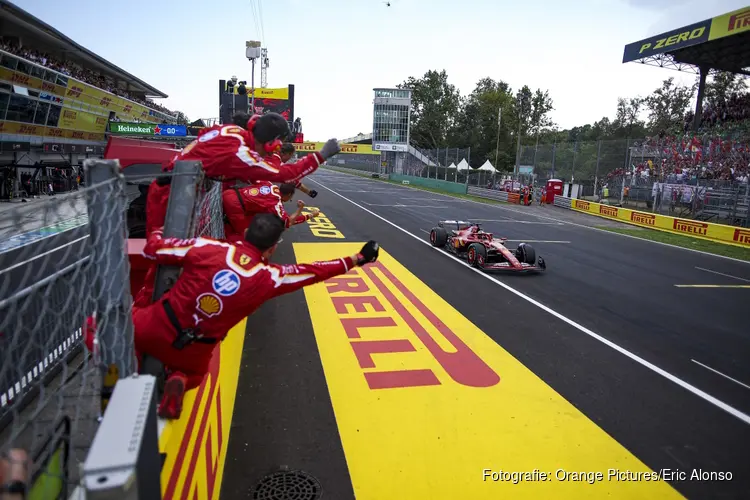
448	186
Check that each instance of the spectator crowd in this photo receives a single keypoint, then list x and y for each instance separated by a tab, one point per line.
76	71
729	115
689	159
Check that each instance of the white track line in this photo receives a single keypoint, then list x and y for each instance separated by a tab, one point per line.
722	274
722	374
672	378
501	207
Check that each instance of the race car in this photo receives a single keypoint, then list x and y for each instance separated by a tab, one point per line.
482	250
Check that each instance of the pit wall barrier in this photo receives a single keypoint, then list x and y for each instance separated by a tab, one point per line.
494	194
720	233
448	186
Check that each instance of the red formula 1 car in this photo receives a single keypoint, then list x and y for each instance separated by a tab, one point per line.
482	250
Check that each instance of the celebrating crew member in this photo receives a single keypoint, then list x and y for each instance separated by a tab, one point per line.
242	204
221	283
244	151
286	153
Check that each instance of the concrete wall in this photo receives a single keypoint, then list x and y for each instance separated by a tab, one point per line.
450	187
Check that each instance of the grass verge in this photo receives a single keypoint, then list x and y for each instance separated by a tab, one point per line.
684	241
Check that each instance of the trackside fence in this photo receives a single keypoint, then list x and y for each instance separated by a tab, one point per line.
71	396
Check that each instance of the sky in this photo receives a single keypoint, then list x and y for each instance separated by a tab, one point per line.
335	51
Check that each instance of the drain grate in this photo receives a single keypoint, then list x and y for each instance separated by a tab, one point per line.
288	485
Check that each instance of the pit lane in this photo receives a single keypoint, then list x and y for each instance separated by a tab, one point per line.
622	289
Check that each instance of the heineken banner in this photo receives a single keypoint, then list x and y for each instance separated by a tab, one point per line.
141	129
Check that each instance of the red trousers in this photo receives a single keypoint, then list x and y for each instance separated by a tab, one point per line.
143	297
154	335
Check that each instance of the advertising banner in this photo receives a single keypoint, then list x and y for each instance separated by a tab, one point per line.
40	130
733	23
669	41
359	149
721	233
279	101
104	101
122	128
80	120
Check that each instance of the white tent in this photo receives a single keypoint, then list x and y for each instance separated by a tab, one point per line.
463	165
452	165
487	167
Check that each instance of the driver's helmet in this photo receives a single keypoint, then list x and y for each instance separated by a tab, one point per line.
474	228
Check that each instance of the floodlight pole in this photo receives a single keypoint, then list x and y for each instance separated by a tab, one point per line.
252	87
252	52
497	143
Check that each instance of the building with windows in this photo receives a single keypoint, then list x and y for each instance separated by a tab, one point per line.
390	120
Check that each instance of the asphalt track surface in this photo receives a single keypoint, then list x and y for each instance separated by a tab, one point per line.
600	288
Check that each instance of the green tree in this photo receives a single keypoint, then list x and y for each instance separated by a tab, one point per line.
722	86
476	124
434	106
667	105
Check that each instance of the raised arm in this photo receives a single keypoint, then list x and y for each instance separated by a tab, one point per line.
290	278
169	251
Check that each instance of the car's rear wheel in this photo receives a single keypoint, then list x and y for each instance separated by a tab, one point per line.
438	237
525	253
476	255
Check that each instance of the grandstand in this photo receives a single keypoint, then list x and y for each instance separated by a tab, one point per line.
57	100
721	43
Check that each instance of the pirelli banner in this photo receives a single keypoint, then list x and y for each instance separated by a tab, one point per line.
352	149
705	230
729	24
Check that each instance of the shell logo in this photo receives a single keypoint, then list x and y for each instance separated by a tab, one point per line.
254	192
209	305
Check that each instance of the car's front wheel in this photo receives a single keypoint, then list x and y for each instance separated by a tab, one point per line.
476	255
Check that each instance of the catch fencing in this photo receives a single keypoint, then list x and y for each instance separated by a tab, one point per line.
62	260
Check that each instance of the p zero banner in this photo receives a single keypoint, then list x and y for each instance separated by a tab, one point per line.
669	41
359	149
698	229
121	128
53	132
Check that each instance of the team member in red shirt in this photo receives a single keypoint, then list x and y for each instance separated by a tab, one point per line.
242	204
286	154
221	283
237	152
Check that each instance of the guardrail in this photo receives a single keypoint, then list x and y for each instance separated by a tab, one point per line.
720	233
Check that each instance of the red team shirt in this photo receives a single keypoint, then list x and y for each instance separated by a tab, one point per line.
242	204
222	283
227	153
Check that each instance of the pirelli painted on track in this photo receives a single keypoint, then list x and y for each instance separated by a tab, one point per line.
721	233
196	444
429	407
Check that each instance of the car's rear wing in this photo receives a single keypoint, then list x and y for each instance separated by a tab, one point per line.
456	224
